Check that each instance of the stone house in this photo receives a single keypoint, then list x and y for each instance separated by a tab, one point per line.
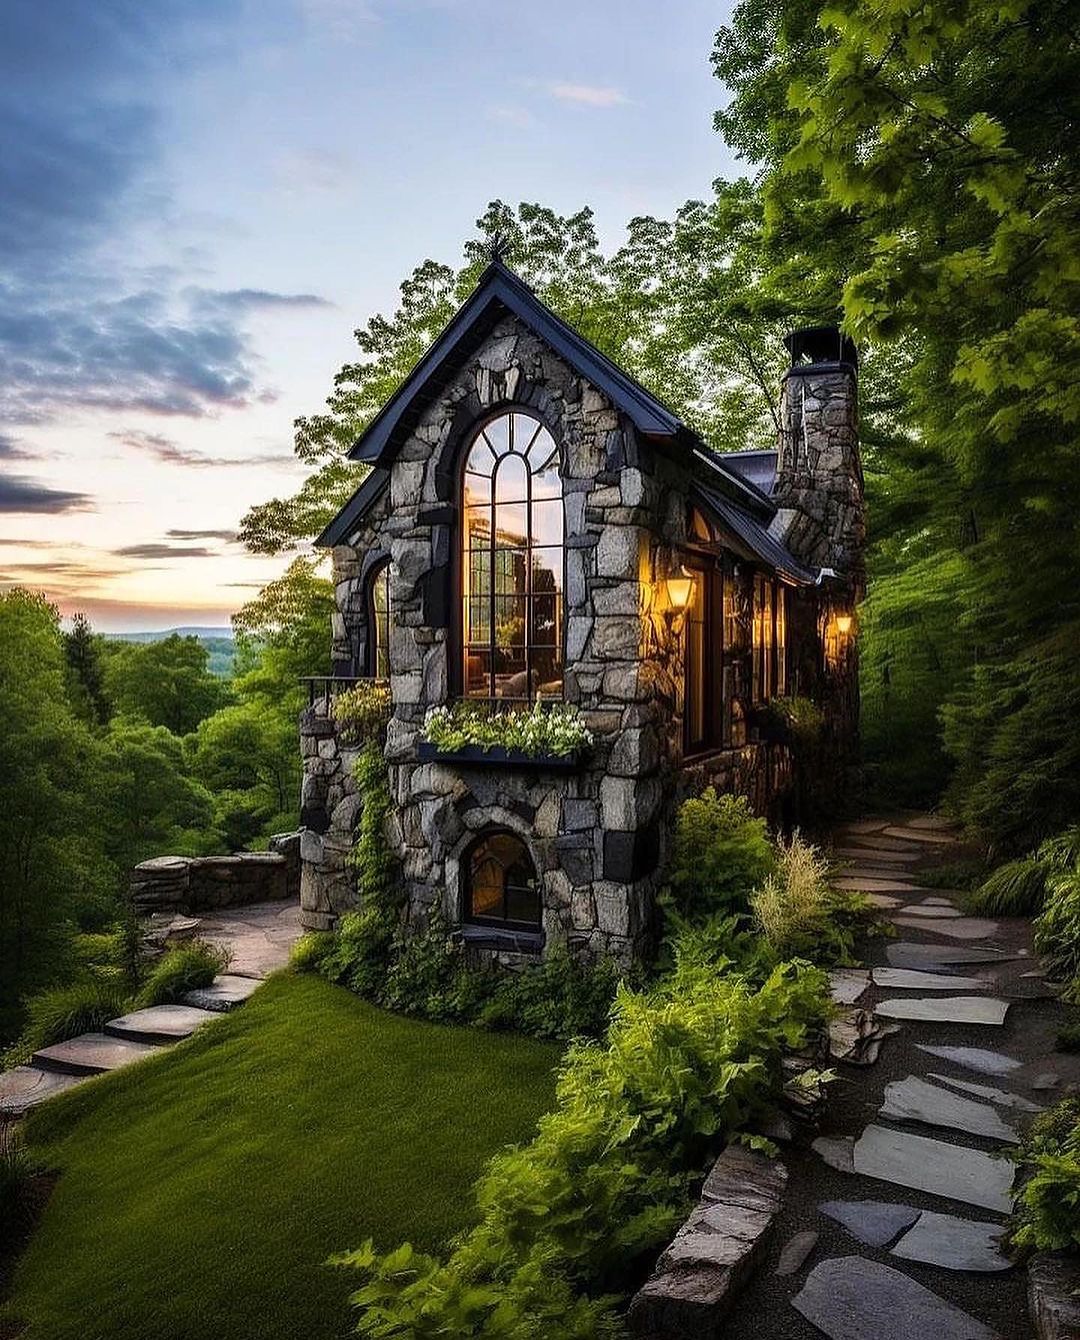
535	526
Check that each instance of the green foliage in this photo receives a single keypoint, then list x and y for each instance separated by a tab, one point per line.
359	955
20	1170
86	676
164	683
308	952
542	729
1057	930
798	912
568	1220
370	857
1014	889
721	853
179	971
63	1012
1048	1206
1068	1038
305	1121
362	711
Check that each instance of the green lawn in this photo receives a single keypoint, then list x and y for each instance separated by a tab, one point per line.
200	1194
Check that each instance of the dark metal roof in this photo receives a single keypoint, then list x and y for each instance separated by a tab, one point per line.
498	292
757	467
350	516
755	536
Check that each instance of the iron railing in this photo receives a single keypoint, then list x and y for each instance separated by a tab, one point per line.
324	687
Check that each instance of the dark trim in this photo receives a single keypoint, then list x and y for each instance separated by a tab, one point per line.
747	529
505	938
499	291
371	638
354	511
497	756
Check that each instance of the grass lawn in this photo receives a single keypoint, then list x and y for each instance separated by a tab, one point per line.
201	1193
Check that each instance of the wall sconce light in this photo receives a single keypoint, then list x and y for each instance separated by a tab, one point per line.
680	589
844	624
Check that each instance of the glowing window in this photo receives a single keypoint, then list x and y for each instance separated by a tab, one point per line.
502	886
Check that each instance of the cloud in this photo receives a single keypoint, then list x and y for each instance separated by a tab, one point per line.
253	300
589	95
170	452
82	86
11	450
164	551
227	535
520	117
19	494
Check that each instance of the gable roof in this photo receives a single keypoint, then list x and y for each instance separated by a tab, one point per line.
498	292
354	511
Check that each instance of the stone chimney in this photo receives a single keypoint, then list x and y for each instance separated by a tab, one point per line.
819	481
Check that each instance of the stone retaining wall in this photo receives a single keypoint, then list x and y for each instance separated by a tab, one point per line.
200	883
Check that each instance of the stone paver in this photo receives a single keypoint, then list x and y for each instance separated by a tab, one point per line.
846	985
873	884
920	835
947	1010
24	1086
883	900
934	822
92	1054
875	1222
988	1092
838	1153
226	992
850	1298
974	1058
159	1023
933	911
796	1250
951	1243
258	938
903	952
941	1169
963	928
910	979
916	1099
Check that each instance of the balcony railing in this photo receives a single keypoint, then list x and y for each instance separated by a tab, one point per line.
321	688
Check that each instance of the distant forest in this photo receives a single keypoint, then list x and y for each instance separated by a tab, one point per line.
219	643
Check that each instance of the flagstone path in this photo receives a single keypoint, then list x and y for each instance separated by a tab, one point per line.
906	1188
257	938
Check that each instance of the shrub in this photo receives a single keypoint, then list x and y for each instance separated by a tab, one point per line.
568	1220
1057	929
64	1012
721	852
797	911
179	971
308	953
358	956
361	712
370	856
1068	1038
19	1171
558	998
541	729
1048	1206
1013	890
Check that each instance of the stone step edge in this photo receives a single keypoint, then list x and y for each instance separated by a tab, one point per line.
714	1254
40	1061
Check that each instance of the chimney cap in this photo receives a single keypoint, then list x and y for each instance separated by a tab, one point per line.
821	344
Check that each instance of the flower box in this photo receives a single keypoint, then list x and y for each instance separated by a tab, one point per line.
498	756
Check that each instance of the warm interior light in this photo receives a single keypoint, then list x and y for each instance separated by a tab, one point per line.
679	590
843	624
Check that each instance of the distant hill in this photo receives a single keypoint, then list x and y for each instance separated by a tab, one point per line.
219	642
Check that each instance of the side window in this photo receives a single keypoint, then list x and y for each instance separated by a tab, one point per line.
378	659
502	887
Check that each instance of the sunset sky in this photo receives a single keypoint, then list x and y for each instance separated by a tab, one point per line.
201	199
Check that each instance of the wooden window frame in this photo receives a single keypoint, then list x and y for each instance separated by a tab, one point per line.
472	918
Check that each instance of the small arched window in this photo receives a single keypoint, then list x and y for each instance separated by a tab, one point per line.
501	888
512	562
378	658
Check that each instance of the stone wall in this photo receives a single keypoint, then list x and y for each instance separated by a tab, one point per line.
330	808
202	883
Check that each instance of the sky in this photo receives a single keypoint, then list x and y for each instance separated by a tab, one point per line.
200	200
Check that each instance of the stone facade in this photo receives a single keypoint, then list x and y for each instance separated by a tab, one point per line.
597	833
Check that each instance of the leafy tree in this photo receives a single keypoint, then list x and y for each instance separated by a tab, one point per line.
164	683
154	807
82	650
52	866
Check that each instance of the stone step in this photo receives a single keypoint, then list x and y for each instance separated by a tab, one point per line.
934	1166
934	958
875	856
993	1095
226	992
920	835
159	1023
910	979
963	928
92	1054
25	1086
980	1060
916	1099
875	884
988	1010
935	822
952	1243
851	1298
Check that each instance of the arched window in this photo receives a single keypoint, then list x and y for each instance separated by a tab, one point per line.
512	562
502	886
378	656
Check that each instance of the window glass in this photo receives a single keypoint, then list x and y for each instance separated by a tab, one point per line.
512	562
379	663
502	885
695	652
